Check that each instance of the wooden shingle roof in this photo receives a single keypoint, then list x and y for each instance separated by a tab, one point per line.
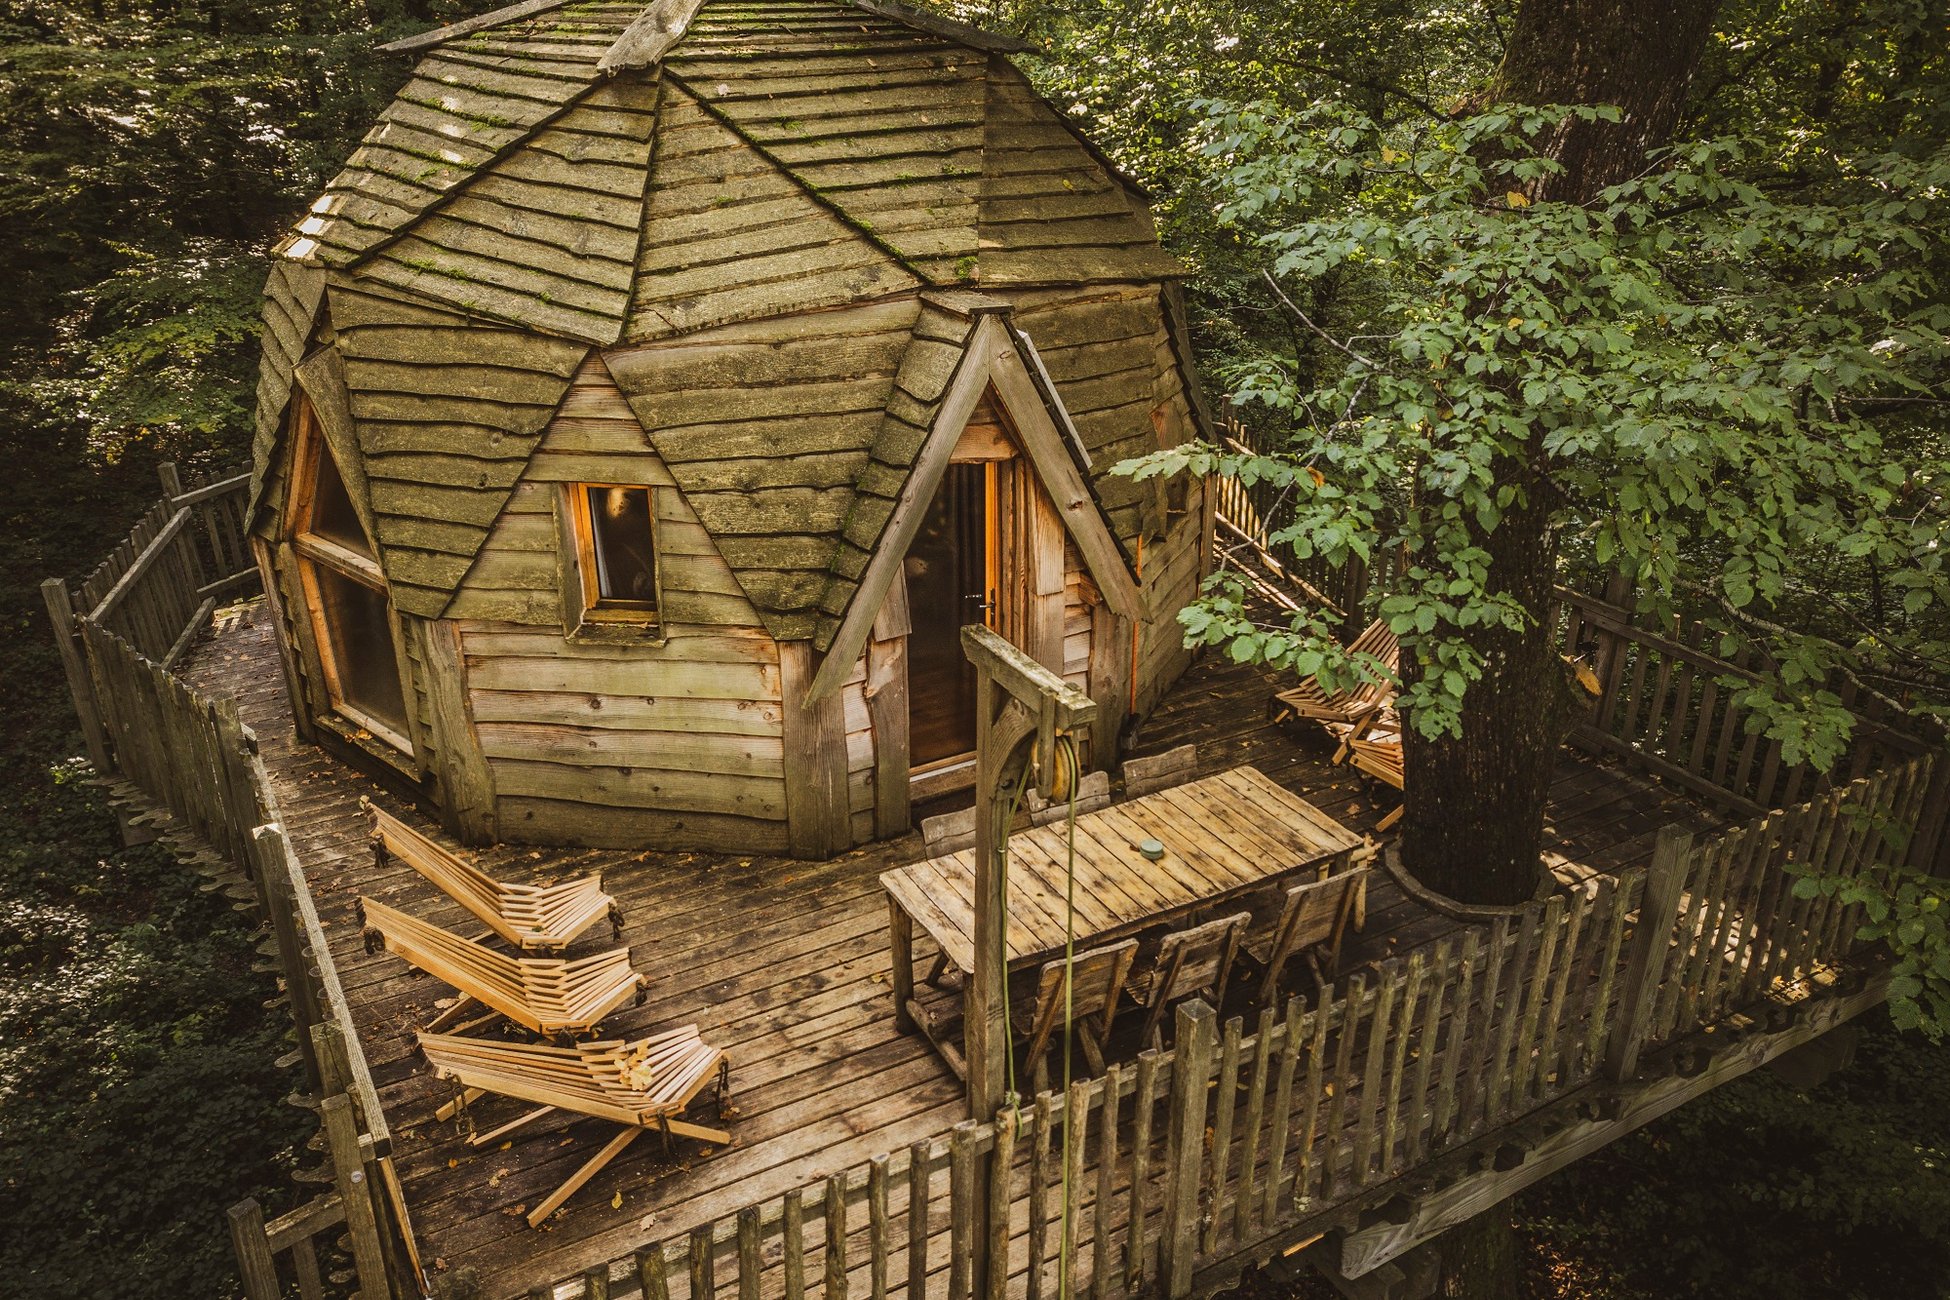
658	181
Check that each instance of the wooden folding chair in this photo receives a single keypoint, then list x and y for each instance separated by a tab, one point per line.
1310	700
1190	961
1373	746
1096	984
1313	918
546	917
545	995
641	1085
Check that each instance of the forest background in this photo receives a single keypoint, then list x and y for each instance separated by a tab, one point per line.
150	154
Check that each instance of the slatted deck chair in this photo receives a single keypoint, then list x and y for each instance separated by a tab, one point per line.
1096	986
545	995
1374	747
1312	919
545	917
642	1085
1310	700
1191	961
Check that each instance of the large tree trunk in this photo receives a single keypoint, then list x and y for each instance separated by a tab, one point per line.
1474	820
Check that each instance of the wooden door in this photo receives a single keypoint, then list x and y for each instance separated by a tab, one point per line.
950	570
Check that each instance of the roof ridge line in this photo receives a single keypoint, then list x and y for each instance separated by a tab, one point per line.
940	25
468	26
718	115
494	160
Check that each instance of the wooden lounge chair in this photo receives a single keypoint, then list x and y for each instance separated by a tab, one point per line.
1310	700
1096	984
1374	746
1312	919
546	917
1190	961
546	995
641	1085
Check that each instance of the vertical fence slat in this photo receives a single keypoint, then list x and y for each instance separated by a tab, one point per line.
1228	1098
1143	1103
1243	1193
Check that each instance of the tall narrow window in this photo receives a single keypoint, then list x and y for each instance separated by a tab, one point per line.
616	551
344	590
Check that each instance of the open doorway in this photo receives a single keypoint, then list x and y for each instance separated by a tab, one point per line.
951	581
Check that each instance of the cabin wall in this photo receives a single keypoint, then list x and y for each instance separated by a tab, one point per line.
673	740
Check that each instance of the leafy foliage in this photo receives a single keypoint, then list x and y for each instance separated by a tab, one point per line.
1760	1191
1693	355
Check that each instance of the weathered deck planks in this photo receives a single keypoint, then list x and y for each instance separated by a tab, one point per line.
784	964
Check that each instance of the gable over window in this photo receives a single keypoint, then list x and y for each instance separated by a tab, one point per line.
344	590
615	551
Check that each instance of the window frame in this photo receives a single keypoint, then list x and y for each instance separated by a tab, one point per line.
585	585
312	550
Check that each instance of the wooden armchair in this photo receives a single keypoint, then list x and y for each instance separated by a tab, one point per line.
545	995
1313	918
1096	984
1191	961
1310	700
641	1085
547	917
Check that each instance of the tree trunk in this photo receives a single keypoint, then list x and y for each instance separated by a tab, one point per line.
1473	825
1479	1258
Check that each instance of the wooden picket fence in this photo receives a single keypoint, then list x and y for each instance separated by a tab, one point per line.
1672	709
1183	1164
192	767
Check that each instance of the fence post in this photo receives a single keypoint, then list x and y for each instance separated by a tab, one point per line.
60	613
253	1248
1646	961
268	848
172	482
355	1192
1191	1071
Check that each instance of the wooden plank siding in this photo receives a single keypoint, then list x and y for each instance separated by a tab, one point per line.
672	739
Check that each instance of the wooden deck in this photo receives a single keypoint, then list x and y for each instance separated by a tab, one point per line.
784	964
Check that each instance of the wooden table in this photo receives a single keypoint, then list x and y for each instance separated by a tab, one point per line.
1224	836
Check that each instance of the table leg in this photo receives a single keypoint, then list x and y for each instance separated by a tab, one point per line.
900	930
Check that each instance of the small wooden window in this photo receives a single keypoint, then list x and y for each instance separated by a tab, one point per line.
616	551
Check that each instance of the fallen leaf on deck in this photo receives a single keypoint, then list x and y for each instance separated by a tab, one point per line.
505	1145
453	1164
616	1201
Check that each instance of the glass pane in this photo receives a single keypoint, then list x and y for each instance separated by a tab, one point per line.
361	645
626	561
331	509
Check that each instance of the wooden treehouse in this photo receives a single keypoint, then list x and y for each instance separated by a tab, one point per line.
682	464
657	390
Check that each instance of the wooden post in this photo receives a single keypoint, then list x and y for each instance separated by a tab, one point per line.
1191	1071
254	1262
1639	989
286	937
60	614
355	1193
172	482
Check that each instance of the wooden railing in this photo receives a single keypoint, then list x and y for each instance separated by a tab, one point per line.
187	552
1666	703
193	767
1183	1164
1669	707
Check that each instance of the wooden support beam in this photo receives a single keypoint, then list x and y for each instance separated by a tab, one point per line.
1639	987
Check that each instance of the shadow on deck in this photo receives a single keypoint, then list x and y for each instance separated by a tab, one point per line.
782	963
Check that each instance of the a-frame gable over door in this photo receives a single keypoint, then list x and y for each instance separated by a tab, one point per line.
992	362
